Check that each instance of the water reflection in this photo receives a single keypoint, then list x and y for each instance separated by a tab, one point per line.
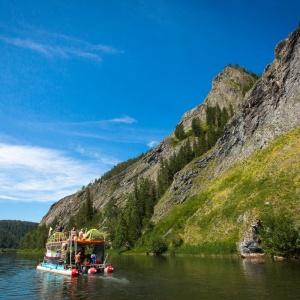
49	283
68	287
142	277
254	268
268	279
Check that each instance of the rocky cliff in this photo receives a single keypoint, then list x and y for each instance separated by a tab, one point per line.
270	108
228	88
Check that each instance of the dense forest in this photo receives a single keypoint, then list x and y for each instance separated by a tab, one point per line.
11	232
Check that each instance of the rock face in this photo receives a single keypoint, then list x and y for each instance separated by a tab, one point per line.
228	88
250	236
270	108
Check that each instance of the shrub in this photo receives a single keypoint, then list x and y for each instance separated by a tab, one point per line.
156	245
279	235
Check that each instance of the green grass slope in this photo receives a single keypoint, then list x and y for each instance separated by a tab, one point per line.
214	221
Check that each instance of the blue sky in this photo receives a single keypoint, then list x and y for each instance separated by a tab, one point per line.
85	85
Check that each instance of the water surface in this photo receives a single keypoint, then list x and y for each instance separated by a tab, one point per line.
143	277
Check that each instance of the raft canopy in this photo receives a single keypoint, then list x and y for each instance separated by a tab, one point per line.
93	234
57	237
92	237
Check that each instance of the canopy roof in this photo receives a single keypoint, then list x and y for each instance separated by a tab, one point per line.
93	236
57	237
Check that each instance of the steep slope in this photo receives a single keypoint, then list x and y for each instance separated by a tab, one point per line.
221	217
228	88
271	108
267	111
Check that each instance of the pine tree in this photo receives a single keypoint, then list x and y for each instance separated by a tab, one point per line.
179	132
211	139
210	116
218	115
224	117
121	233
89	209
197	127
111	215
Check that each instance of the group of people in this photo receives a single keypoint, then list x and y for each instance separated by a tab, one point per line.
80	257
80	234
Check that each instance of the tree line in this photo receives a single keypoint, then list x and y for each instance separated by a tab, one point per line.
243	69
126	225
205	136
12	231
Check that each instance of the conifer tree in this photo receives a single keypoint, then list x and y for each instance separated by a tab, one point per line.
224	117
111	215
179	132
120	236
89	209
197	127
211	140
218	116
210	116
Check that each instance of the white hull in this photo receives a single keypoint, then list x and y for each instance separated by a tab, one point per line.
68	272
74	272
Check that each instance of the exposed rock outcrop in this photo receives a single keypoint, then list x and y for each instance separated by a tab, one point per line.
250	235
270	109
228	88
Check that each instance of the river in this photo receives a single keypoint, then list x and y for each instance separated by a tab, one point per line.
144	277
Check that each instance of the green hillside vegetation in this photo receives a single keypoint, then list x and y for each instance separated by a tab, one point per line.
119	168
263	187
266	186
12	231
126	225
200	139
35	239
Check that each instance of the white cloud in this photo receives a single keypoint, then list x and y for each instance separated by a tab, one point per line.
57	45
95	155
40	174
125	119
152	144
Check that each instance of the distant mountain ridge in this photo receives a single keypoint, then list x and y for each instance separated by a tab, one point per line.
11	232
263	110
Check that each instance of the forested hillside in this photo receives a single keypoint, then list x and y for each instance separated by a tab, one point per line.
11	232
225	181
